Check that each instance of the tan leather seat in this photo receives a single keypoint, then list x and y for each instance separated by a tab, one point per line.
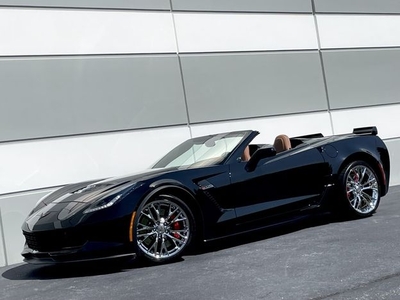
282	143
246	154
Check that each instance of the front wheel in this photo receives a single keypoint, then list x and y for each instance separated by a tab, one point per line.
361	189
164	228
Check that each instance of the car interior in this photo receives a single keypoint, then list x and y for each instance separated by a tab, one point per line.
281	143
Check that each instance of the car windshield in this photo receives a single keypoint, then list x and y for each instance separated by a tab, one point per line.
202	151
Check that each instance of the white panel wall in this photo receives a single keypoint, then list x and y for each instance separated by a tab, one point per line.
55	32
244	32
386	118
58	161
354	31
394	152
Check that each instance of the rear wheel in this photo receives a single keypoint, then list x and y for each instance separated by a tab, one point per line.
360	189
164	228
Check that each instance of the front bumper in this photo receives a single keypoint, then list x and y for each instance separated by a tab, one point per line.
90	251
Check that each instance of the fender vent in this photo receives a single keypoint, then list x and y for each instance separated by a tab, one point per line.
209	196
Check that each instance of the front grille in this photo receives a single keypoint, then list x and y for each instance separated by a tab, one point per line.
55	240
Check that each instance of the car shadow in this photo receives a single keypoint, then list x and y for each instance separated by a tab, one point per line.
84	269
71	270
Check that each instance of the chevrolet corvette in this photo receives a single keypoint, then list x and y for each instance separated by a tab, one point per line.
208	188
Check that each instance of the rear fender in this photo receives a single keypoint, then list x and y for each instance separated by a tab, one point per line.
374	163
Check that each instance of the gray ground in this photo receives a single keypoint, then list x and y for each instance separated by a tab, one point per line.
319	259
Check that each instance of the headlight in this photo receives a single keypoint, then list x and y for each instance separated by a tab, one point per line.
118	194
104	203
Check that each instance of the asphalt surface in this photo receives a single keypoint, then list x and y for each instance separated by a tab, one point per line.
321	258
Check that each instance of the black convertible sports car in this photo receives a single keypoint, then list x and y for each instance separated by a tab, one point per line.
207	188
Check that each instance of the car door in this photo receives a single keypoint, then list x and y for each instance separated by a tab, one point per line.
288	181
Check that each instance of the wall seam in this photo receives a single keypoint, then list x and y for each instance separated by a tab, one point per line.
37	190
181	71
242	12
188	53
322	65
3	239
74	8
369	48
372	105
359	13
88	134
71	56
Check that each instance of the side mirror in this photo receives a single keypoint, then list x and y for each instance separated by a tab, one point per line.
264	152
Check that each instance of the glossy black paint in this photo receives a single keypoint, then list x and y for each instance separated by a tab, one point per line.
227	198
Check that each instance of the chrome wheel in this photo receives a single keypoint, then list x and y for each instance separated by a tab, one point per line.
163	228
362	189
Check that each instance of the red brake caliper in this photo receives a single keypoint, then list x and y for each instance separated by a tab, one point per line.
356	178
176	226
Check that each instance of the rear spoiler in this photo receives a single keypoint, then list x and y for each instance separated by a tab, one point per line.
371	130
366	130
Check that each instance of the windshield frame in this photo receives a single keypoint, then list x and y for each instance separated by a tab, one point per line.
179	150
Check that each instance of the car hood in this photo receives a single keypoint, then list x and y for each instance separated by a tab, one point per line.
90	190
134	177
66	202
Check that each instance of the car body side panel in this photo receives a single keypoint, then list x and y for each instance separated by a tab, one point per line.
281	184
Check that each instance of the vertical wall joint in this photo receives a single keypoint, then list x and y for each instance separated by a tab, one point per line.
3	239
322	64
181	70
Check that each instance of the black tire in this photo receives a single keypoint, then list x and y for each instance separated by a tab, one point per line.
359	189
164	228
